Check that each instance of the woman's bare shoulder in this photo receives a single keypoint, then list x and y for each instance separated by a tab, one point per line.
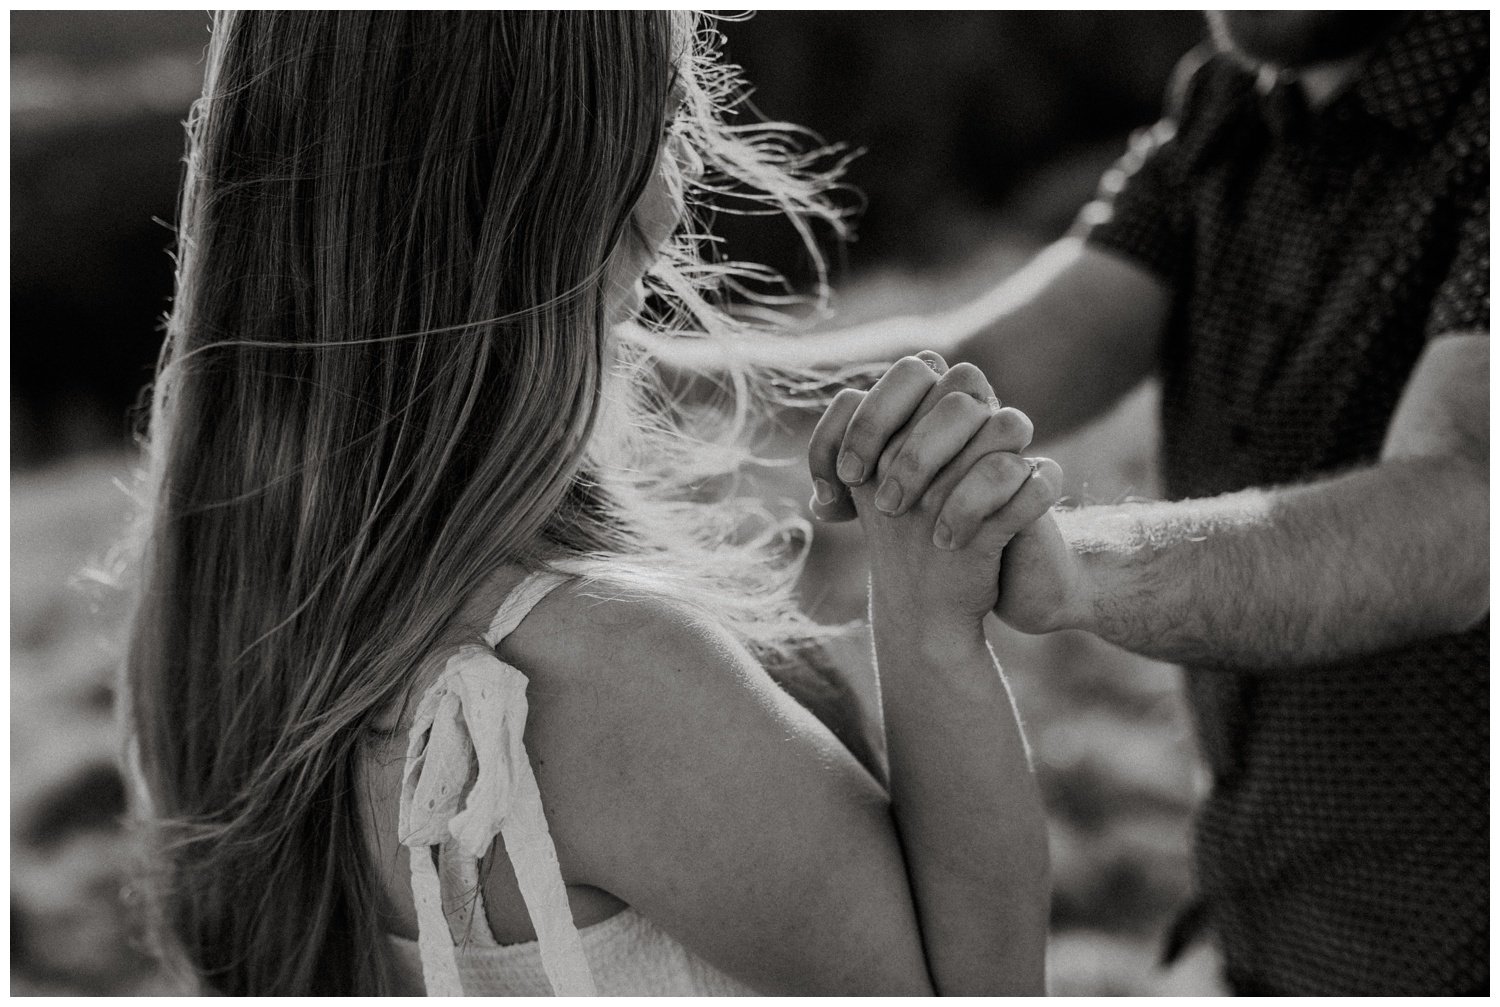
620	637
680	779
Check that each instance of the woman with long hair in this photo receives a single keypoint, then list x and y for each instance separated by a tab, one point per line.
446	666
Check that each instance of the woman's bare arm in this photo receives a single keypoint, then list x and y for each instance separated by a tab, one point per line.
681	779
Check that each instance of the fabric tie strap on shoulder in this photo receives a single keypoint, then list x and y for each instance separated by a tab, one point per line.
475	714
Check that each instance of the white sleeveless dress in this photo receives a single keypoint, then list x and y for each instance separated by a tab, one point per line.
467	779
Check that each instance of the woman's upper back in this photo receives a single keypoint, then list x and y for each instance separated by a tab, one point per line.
466	915
506	599
678	781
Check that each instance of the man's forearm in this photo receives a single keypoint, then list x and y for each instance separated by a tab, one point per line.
1062	339
1278	578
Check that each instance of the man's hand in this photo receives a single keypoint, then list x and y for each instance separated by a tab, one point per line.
1043	585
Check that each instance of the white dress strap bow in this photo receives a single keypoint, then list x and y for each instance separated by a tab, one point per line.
475	715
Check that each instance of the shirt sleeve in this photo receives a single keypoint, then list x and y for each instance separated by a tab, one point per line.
1142	208
1462	302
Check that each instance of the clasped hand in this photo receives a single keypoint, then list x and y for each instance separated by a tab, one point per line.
930	464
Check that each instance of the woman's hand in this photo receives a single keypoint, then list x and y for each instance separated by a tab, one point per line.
946	473
927	461
947	459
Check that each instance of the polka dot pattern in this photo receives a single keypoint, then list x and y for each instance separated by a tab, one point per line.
1344	847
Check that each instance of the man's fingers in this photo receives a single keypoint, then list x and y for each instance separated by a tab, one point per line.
831	501
965	377
885	409
933	359
984	489
1037	496
933	442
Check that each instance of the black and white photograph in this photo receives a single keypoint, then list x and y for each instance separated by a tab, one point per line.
684	503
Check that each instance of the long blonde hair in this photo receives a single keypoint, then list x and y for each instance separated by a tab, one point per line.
387	373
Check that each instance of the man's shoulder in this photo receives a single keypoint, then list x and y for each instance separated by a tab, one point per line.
1468	132
1207	98
1206	85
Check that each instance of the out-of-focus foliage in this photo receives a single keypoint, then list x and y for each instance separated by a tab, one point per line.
963	113
97	103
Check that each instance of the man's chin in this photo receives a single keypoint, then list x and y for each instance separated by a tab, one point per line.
1296	39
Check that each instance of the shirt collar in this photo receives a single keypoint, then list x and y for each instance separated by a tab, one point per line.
1283	107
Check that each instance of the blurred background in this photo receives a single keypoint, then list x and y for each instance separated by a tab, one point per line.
983	133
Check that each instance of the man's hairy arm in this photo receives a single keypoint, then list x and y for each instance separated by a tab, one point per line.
1373	558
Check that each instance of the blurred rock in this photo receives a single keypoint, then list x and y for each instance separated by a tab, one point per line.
75	931
1131	878
1094	767
1089	963
91	797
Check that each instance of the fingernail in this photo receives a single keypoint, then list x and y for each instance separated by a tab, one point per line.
851	469
888	498
942	537
822	492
